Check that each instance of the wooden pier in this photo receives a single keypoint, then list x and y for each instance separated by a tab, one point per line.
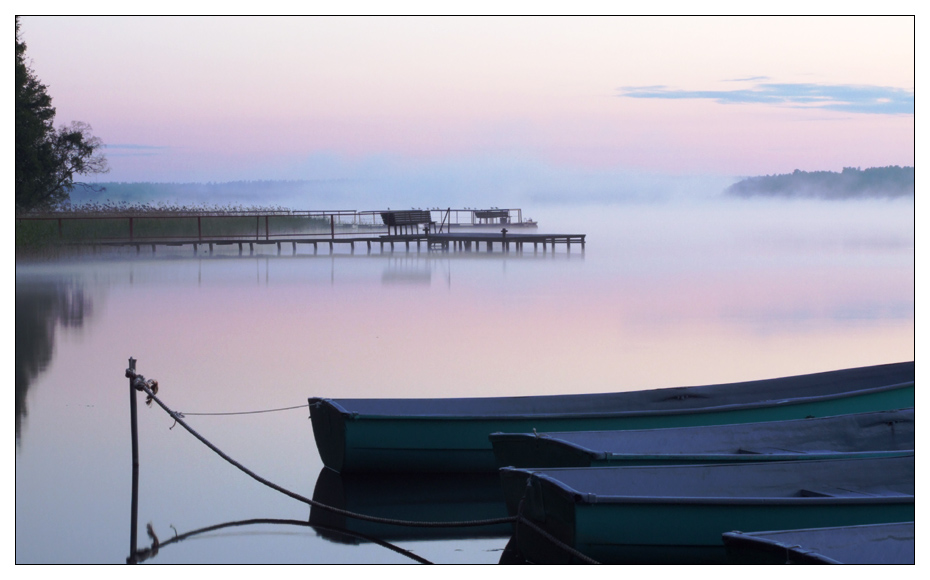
463	242
434	229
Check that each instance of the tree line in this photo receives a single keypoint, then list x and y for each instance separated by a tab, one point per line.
888	182
48	159
148	190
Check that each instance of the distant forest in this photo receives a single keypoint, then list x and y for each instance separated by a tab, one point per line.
144	192
851	183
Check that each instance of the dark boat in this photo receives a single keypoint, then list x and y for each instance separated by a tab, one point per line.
870	544
451	435
678	514
855	435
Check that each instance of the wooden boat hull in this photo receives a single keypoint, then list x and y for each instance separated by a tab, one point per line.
678	514
451	435
868	544
854	435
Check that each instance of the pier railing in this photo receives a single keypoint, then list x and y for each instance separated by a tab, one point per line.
200	226
214	226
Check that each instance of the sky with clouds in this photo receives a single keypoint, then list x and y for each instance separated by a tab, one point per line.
232	98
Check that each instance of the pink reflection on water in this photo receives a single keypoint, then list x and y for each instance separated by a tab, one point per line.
644	307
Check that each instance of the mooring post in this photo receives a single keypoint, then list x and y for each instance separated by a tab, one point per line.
133	422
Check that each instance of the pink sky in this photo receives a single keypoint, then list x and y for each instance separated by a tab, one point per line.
218	99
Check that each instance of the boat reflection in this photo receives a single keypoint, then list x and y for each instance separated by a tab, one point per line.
435	498
512	555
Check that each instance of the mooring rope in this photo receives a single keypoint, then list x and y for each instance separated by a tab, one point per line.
243	412
313	503
140	383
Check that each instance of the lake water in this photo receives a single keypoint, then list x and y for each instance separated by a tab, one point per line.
663	295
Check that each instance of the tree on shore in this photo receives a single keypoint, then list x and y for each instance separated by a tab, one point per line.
48	159
852	183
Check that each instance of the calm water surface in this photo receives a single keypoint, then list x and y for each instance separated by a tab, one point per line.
663	295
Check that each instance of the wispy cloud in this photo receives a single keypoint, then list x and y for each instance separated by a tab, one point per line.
133	150
747	79
845	98
133	146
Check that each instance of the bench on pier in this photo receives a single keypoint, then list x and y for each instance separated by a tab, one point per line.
404	221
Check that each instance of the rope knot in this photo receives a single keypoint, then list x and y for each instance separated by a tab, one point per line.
151	387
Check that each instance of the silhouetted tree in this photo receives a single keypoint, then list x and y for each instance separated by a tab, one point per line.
47	159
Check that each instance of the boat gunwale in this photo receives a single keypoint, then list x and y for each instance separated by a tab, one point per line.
588	498
752	457
595	415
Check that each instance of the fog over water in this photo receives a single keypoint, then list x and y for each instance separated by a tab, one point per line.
670	293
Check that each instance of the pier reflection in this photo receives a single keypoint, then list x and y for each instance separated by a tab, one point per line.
407	271
408	497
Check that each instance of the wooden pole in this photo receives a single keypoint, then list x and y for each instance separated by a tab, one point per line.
133	421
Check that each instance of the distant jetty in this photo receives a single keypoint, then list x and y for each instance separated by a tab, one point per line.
465	229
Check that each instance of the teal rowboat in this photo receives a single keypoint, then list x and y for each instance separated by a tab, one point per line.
451	435
859	434
678	514
869	544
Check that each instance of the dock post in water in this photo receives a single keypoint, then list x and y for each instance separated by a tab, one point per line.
136	383
133	422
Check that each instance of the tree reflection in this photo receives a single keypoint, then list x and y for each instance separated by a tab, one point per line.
40	309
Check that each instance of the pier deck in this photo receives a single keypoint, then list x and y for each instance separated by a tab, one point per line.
465	242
